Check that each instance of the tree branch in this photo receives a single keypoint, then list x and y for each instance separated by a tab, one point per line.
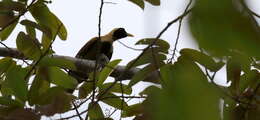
85	65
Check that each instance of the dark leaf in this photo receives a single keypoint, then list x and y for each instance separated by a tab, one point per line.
114	101
95	112
139	3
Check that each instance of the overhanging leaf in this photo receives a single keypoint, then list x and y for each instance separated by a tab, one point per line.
107	71
45	17
202	59
117	88
15	79
28	46
114	101
139	3
4	34
154	2
60	78
95	112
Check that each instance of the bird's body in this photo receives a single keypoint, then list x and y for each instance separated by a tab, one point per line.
95	47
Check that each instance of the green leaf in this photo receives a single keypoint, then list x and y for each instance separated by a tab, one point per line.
4	34
55	100
142	74
139	3
39	85
95	112
202	59
233	69
10	102
5	63
149	90
11	5
149	56
114	101
46	18
117	88
133	110
60	78
154	2
85	89
162	44
32	24
107	71
184	85
15	79
218	29
28	46
57	62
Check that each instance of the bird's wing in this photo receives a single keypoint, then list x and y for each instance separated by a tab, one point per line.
88	50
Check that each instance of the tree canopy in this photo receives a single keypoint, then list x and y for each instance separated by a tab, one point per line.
34	80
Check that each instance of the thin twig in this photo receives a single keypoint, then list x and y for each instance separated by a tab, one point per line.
179	32
77	111
130	47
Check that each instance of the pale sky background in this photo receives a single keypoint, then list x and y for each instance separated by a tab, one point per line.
81	20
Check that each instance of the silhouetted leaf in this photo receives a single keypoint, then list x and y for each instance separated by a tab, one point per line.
30	47
154	2
139	3
95	112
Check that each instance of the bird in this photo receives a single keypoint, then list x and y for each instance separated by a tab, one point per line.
90	50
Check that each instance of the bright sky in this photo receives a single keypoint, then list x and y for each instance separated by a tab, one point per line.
81	20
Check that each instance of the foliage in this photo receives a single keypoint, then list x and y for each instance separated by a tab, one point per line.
227	35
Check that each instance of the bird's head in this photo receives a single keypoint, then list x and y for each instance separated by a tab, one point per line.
119	33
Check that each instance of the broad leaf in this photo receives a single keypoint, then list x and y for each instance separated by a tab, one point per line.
15	79
10	102
154	2
133	110
202	59
162	44
85	89
32	24
46	18
4	34
117	88
23	114
95	112
40	85
139	3
30	47
60	78
107	71
114	101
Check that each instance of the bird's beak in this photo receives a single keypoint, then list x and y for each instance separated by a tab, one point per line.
130	35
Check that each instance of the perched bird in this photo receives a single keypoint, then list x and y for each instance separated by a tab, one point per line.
89	50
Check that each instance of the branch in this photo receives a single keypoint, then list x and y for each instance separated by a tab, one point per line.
85	65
